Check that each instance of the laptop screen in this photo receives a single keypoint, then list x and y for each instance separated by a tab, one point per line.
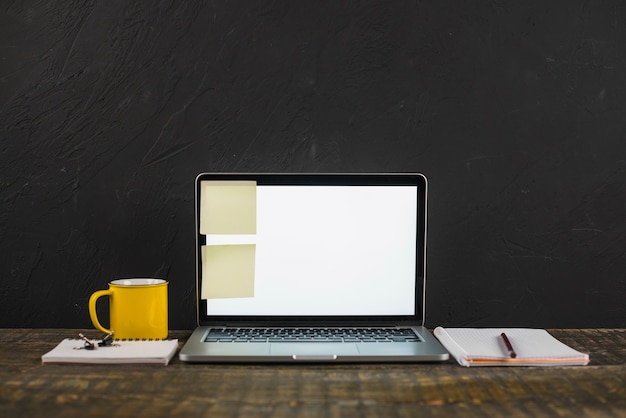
310	245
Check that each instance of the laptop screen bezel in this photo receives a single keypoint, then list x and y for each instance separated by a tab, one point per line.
315	179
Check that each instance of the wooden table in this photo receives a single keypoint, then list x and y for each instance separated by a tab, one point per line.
29	389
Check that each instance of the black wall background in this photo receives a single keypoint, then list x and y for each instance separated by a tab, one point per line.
515	110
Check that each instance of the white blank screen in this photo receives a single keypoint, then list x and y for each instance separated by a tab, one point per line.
330	250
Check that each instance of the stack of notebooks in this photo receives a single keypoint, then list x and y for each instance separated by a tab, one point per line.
518	347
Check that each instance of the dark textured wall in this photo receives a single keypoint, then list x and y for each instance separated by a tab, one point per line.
515	110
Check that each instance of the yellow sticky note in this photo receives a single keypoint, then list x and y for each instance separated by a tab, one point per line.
228	271
227	207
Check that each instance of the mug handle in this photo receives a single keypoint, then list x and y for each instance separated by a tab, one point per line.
92	309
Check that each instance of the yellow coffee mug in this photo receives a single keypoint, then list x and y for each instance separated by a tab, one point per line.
138	308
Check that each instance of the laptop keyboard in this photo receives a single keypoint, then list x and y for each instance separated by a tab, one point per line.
290	335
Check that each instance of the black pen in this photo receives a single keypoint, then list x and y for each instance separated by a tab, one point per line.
508	345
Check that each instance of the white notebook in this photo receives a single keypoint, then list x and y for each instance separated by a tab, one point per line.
486	347
124	352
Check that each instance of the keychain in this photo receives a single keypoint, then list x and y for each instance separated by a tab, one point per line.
107	341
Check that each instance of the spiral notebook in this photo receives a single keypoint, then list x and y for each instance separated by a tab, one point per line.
487	347
72	350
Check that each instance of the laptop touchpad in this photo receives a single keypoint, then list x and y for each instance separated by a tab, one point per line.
313	349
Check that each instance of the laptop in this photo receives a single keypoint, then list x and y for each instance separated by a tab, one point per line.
311	268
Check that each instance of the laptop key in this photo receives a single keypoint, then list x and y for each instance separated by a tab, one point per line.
399	339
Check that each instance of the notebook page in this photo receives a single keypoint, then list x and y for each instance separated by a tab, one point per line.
528	343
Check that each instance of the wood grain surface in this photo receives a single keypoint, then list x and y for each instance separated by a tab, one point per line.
28	388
